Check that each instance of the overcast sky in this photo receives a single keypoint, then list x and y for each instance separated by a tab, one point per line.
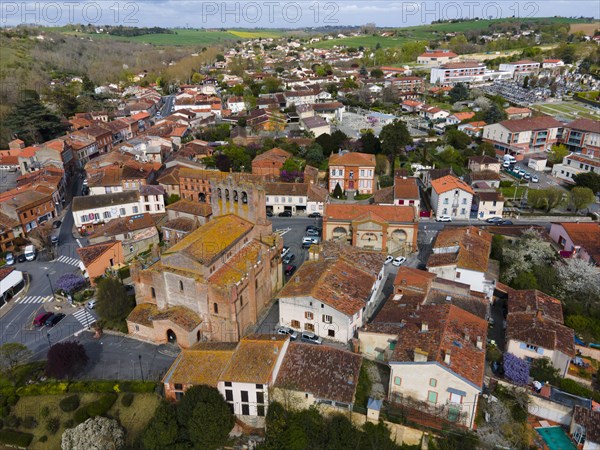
279	13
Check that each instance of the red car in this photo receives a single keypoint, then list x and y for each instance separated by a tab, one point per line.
290	269
40	320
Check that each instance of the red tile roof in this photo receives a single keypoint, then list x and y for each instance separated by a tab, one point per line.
352	159
382	213
91	253
406	188
472	244
531	124
586	235
449	183
592	126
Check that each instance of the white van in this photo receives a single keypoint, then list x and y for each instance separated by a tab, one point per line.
30	253
510	158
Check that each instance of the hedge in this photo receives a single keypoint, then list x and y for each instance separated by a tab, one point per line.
16	438
127	399
70	403
81	415
102	405
100	386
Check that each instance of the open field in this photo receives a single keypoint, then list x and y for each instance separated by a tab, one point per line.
365	41
568	110
587	28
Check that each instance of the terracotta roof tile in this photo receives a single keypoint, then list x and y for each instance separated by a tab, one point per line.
124	225
449	183
592	126
531	123
147	313
199	209
590	419
586	235
471	248
91	253
326	372
406	188
181	224
254	359
202	364
387	213
352	159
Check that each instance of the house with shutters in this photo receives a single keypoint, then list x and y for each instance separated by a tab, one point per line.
535	329
450	196
353	171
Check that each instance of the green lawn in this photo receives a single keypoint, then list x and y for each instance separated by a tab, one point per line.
571	110
365	41
133	419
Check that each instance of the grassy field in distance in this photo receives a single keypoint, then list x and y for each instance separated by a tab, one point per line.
569	110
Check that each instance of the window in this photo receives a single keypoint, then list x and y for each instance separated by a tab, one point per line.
122	211
135	209
432	382
397	381
446	201
153	292
244	395
181	285
432	397
216	308
260	397
245	409
228	384
331	332
260	410
178	386
308	315
106	214
228	395
178	395
463	211
147	208
464	202
259	386
457	274
295	324
309	327
327	319
83	218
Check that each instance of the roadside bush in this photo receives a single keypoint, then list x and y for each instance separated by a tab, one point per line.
70	403
108	386
12	422
12	400
102	405
70	423
29	422
47	388
81	415
43	438
127	399
15	438
52	425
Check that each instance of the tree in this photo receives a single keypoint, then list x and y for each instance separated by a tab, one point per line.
487	149
516	369
589	180
494	114
394	138
370	143
220	58
66	359
99	433
578	281
272	84
542	370
457	139
525	280
557	154
459	92
32	122
163	430
364	72
381	165
13	354
337	191
526	82
555	197
581	197
314	155
377	73
113	304
173	198
526	254
206	416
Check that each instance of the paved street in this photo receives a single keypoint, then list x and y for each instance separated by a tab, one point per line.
168	105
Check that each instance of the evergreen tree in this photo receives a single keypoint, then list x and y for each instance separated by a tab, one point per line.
32	122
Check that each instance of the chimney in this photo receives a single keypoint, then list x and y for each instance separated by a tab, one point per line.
468	230
467	335
424	326
420	355
447	357
479	343
528	308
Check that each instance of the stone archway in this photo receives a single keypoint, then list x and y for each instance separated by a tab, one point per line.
339	233
202	197
244	197
397	242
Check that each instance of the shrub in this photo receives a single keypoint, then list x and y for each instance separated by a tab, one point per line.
15	438
52	425
4	411
43	438
70	403
3	400
102	405
70	282
81	415
12	422
1	424
29	422
516	369
70	423
45	412
12	400
127	399
48	388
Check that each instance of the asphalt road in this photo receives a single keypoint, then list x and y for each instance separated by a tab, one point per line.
166	110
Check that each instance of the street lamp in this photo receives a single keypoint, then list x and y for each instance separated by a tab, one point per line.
141	368
48	337
51	288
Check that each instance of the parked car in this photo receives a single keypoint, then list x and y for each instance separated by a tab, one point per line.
388	259
535	179
54	319
288	258
284	251
315	215
398	261
21	258
40	320
443	219
312	227
56	224
10	259
269	214
285	214
527	176
507	222
312	232
289	270
91	304
307	336
494	220
307	241
293	334
54	239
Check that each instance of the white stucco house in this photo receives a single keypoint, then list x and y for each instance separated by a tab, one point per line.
452	197
95	209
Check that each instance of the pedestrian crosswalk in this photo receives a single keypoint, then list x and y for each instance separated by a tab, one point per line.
84	317
31	299
68	260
